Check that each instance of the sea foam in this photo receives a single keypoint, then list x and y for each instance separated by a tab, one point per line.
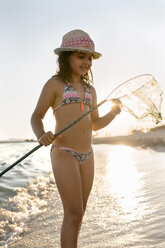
25	205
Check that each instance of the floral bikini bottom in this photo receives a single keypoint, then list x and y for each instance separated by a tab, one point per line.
81	157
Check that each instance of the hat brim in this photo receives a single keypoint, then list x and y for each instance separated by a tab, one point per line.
96	55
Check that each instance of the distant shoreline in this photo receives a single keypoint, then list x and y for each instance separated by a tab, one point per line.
17	141
130	141
154	137
142	140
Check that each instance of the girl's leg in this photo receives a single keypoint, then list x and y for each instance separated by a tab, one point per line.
87	175
68	179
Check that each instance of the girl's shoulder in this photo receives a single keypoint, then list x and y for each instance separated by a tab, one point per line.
55	80
53	83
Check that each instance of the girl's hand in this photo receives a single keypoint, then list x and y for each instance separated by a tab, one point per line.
46	139
116	108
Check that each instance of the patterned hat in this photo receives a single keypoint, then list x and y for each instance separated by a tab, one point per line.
77	40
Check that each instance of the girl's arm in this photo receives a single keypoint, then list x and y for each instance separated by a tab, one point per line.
45	101
101	122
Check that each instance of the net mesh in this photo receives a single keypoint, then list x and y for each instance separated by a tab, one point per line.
140	96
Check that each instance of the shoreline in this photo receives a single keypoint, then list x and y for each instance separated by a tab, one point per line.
142	140
135	141
154	137
17	141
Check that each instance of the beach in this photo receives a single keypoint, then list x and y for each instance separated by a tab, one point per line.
125	208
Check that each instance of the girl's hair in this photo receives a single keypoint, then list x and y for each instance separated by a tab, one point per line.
64	70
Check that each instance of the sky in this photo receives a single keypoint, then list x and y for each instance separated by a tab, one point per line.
130	34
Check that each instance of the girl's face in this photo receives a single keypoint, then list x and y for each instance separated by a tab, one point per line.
80	63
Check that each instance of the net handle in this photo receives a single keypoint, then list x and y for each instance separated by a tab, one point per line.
55	135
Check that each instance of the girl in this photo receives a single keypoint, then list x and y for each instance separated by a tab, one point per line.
69	93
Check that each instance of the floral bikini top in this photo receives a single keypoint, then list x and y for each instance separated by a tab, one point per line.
70	95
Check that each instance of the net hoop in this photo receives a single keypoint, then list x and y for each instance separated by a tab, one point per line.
140	81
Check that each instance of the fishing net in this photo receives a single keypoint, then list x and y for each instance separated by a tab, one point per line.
141	97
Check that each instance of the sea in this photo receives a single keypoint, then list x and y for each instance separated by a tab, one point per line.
126	207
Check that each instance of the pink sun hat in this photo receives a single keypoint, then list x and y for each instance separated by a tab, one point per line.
77	40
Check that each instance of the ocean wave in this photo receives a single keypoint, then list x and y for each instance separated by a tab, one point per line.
24	206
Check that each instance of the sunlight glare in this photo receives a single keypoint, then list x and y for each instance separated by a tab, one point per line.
105	108
49	121
123	178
